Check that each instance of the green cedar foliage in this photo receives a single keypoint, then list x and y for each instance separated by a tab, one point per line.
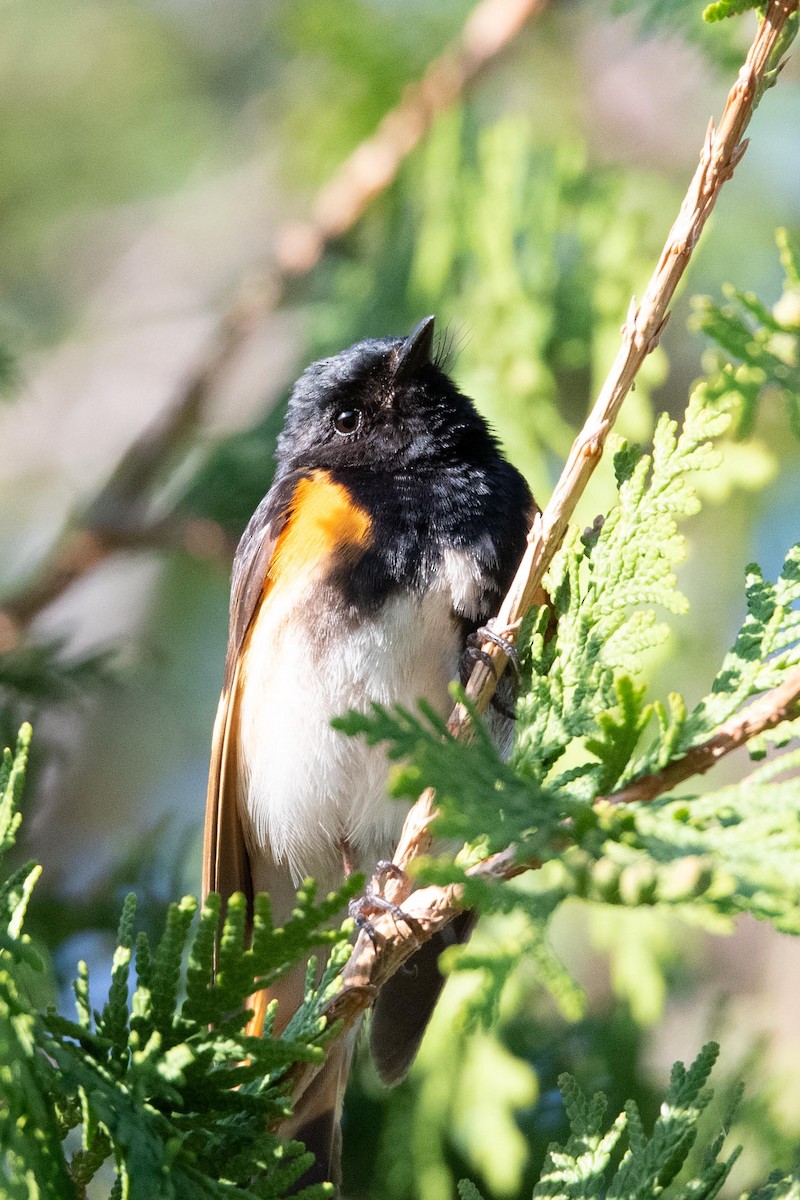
35	674
183	1109
29	1128
587	1167
38	672
758	347
163	1081
722	9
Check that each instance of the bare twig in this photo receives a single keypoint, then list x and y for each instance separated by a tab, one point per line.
368	171
138	469
722	150
84	549
765	713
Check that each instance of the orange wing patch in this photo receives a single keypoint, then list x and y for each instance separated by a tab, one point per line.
323	521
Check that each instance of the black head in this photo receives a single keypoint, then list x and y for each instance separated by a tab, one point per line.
382	404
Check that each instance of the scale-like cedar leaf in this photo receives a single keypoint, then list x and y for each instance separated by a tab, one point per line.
758	349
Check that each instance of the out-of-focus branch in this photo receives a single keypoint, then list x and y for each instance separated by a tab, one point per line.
138	469
117	518
84	548
722	150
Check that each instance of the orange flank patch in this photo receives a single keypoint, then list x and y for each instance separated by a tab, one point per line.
324	522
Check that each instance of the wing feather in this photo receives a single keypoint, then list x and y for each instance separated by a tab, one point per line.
226	864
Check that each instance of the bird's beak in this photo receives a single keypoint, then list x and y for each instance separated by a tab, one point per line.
415	351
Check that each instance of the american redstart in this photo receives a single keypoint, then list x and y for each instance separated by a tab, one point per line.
390	533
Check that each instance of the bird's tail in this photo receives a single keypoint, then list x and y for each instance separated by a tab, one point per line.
317	1119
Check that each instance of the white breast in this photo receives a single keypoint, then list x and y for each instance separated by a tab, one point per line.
306	787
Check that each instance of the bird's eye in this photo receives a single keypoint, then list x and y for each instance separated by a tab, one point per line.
347	420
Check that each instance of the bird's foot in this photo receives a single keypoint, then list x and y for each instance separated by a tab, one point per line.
373	903
474	653
487	633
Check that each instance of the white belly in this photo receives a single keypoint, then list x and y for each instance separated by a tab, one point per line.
306	788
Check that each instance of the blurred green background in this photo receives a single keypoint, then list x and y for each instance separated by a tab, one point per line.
151	152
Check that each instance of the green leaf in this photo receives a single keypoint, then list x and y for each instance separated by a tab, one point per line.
722	9
758	349
113	1024
766	648
582	1169
468	1191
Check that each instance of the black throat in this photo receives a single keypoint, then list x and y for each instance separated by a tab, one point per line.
481	509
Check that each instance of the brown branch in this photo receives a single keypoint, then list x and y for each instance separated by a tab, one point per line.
430	908
372	963
139	468
765	713
722	150
365	174
84	549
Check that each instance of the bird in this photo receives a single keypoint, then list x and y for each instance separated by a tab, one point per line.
390	533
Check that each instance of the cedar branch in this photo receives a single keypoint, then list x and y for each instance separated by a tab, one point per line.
431	908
